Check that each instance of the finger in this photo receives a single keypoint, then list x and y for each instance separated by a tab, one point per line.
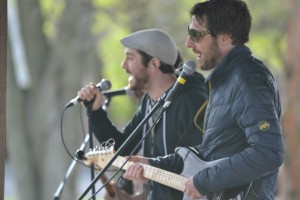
94	89
188	193
85	94
137	169
126	175
130	173
82	94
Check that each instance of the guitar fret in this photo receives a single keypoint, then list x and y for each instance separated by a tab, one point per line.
164	177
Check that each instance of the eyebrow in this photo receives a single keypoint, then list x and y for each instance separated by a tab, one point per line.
129	53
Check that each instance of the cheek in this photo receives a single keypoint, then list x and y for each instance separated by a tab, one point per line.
130	66
134	69
205	48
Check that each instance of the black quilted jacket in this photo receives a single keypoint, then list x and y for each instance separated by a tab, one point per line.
242	122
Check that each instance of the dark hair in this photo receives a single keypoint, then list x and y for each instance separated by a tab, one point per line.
224	16
165	68
179	60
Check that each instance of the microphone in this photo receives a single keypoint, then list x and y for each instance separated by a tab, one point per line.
124	91
102	85
188	69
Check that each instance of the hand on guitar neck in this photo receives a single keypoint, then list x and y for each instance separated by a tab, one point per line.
135	172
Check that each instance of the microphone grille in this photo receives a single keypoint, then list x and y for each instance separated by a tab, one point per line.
189	67
104	84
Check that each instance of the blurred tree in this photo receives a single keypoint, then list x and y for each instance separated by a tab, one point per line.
3	37
57	63
69	43
291	125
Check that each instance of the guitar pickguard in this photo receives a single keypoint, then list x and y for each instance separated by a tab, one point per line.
193	165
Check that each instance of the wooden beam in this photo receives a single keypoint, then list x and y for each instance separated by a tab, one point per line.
3	46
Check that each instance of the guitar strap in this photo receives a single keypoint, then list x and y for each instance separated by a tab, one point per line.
184	135
193	125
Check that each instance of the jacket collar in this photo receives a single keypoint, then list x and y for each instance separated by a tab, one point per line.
238	53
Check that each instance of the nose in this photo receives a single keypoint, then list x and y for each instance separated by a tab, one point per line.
189	43
123	64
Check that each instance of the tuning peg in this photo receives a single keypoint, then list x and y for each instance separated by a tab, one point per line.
80	155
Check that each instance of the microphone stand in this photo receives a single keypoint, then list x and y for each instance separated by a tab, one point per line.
58	193
89	114
128	140
88	138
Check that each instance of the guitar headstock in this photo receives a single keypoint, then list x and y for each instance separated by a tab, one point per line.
99	157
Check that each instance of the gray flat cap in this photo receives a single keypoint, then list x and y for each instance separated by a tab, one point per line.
155	43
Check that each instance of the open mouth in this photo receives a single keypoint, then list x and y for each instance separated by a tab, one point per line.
131	81
199	56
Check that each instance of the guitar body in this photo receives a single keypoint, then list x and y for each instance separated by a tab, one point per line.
192	165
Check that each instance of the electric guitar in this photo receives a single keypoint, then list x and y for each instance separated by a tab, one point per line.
192	165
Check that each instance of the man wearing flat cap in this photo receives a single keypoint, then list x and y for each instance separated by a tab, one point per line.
150	60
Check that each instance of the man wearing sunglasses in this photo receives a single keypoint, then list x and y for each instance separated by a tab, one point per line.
242	119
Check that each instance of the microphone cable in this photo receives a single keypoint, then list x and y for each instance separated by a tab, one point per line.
63	139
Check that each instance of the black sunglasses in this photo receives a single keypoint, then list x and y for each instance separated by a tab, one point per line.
195	35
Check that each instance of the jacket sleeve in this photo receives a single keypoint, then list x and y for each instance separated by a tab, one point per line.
256	111
172	163
104	129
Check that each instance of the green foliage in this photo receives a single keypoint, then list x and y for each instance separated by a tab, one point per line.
267	38
112	54
269	49
51	11
105	3
109	25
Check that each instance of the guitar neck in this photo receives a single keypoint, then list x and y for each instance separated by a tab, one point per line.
155	174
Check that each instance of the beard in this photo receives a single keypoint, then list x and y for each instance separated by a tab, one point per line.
213	55
139	81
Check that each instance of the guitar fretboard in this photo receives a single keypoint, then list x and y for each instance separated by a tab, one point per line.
155	174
